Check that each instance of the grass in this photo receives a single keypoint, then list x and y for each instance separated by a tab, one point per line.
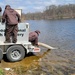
1	72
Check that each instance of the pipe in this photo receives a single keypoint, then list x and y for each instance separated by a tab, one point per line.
45	45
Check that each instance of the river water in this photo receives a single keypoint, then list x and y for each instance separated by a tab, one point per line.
57	33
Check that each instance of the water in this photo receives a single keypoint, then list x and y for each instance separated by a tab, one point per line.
57	33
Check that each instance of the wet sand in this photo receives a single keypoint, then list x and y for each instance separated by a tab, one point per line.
47	62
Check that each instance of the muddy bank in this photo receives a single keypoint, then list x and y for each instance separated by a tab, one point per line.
48	62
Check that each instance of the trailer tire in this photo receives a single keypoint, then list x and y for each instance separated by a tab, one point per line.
15	53
1	54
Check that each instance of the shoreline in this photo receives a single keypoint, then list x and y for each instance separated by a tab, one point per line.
55	62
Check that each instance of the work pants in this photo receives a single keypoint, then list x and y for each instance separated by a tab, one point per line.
11	31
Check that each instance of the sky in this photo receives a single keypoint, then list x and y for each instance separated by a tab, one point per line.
33	5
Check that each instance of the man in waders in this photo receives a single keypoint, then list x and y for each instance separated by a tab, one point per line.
11	18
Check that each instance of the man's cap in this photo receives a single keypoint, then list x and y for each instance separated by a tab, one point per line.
37	31
7	6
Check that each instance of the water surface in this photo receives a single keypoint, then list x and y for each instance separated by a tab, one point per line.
57	33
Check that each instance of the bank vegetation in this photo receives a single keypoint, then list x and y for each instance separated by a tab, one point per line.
53	12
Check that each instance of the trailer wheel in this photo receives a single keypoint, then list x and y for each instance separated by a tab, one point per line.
1	54
15	53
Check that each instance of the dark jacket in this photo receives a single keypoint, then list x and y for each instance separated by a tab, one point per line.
33	37
10	16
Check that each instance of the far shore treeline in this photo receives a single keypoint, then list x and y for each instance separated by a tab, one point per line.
52	12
